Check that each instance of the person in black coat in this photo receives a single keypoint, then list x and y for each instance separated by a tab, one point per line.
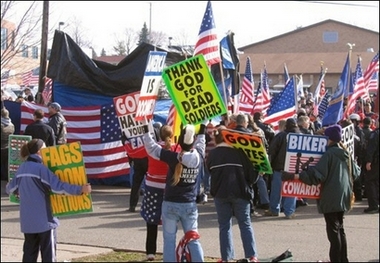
40	130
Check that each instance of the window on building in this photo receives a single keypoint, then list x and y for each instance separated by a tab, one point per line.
330	37
34	52
4	38
25	51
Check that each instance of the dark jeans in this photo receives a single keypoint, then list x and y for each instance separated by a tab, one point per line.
372	186
151	239
140	167
45	241
336	236
4	164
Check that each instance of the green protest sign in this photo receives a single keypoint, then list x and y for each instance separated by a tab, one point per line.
193	90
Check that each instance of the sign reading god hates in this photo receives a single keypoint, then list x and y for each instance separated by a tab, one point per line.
15	143
302	151
126	107
193	90
253	147
66	161
150	85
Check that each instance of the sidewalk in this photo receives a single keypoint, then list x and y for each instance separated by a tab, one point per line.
11	251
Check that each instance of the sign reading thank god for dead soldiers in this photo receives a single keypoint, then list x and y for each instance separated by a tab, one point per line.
253	147
302	151
14	160
66	161
150	85
193	90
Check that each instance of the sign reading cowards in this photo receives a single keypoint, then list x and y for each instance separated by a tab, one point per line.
66	161
193	90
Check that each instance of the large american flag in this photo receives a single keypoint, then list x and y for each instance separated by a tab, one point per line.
262	99
98	130
207	43
284	106
370	76
31	77
359	89
246	94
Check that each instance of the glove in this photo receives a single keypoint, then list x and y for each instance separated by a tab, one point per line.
285	176
202	129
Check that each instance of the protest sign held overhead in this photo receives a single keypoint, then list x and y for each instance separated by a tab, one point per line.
193	90
150	85
302	151
253	147
66	161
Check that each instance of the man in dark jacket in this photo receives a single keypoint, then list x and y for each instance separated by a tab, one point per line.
58	122
335	175
40	130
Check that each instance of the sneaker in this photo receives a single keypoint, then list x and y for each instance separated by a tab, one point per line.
150	257
291	216
270	213
132	209
371	210
253	259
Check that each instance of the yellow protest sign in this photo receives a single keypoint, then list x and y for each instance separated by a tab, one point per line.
193	90
66	161
253	147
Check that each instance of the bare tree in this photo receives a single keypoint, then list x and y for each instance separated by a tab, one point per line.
158	38
76	31
120	48
21	30
126	42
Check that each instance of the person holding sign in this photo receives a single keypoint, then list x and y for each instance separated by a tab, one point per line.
33	183
336	171
232	178
180	194
7	129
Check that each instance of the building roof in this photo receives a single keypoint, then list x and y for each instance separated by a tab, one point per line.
113	59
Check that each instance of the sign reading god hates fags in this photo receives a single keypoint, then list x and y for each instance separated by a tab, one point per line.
253	147
302	151
193	90
66	161
150	85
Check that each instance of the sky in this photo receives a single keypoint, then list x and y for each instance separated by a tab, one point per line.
253	21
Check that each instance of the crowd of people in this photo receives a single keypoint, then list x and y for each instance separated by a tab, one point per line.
172	177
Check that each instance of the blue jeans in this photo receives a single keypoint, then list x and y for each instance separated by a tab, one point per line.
187	214
240	208
289	203
263	190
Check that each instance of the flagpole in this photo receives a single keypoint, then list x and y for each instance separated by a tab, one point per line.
295	92
224	86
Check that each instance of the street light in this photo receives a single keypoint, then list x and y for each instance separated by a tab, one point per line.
60	24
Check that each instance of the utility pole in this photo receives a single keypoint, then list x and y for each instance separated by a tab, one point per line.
43	57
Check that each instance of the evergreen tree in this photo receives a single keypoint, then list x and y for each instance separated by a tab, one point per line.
120	48
144	35
103	53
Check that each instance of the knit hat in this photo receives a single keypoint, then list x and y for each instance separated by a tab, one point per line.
186	138
35	145
334	132
55	106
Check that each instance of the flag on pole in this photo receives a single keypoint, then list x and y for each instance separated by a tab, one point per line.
334	112
207	43
300	91
262	98
246	93
31	77
48	91
359	90
284	106
371	74
323	105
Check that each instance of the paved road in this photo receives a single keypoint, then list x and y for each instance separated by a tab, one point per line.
110	226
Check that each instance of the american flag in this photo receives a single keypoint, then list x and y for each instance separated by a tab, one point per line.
171	115
322	107
31	77
246	94
207	43
369	74
4	77
359	90
319	91
262	99
284	106
98	130
373	83
300	92
47	92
